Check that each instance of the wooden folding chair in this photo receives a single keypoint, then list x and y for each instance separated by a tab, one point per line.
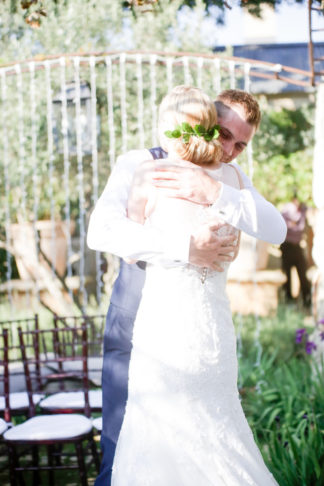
95	328
19	404
54	357
7	399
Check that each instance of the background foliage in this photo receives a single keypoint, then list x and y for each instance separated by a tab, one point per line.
282	397
283	151
96	25
35	10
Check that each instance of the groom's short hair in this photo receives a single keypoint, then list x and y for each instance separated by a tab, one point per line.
230	97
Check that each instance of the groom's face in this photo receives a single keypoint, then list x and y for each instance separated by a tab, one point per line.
235	132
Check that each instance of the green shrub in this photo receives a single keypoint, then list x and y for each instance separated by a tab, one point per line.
283	399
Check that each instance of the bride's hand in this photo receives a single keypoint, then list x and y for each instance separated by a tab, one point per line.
208	249
185	180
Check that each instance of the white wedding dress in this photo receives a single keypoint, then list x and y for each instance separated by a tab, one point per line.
184	424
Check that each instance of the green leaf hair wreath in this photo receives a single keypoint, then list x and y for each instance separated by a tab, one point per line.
185	130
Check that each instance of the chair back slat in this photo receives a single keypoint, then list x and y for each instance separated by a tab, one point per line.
95	329
4	374
61	356
27	371
13	340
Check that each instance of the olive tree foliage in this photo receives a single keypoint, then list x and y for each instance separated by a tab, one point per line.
36	27
77	25
35	12
94	25
254	7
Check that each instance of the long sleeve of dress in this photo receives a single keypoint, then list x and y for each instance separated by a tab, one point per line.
111	231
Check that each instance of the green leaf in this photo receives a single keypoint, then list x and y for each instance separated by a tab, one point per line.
168	134
176	133
186	137
216	133
186	127
199	130
272	417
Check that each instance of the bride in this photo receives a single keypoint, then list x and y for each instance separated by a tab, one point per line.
184	424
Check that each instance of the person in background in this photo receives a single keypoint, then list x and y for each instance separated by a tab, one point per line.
318	198
292	253
111	231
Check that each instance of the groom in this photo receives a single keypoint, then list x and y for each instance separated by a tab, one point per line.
111	231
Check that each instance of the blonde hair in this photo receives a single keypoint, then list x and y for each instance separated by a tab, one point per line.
232	97
191	105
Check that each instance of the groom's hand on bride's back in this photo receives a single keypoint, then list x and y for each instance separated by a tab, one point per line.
208	249
184	180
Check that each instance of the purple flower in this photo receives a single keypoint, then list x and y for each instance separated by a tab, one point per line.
321	321
310	346
300	334
322	335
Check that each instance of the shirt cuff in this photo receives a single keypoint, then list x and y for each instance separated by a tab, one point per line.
177	246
